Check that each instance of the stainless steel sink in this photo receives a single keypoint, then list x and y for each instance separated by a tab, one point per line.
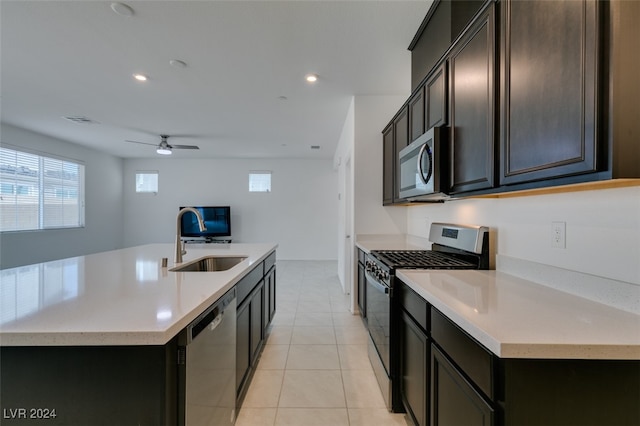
210	264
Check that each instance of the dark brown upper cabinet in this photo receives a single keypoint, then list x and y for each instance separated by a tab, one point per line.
444	22
549	88
472	106
394	137
401	140
416	115
388	165
435	89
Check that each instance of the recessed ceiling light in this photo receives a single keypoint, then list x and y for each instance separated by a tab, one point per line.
122	9
311	78
140	77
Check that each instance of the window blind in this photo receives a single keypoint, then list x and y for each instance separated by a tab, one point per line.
38	192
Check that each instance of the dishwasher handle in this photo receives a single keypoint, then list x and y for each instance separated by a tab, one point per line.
211	318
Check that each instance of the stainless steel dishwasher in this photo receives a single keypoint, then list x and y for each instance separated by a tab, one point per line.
207	366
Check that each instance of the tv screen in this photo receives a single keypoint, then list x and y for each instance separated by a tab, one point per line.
216	219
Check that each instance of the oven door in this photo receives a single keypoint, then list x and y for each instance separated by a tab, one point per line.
379	318
379	322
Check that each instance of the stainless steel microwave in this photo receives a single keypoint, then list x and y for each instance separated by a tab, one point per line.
421	168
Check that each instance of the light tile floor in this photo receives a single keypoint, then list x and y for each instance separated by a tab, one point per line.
314	368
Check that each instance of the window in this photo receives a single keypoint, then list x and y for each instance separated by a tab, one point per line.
147	181
38	192
259	181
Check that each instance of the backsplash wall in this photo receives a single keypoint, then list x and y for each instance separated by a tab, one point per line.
602	228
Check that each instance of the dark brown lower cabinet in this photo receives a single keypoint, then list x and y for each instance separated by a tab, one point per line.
254	313
448	378
454	401
414	370
569	392
257	327
243	333
269	296
249	337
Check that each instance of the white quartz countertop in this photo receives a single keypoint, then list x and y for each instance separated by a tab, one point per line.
120	297
516	318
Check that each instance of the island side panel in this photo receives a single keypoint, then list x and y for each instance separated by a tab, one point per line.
96	385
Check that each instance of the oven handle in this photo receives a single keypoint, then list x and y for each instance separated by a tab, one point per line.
380	287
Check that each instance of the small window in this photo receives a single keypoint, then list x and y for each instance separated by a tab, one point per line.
259	181
147	182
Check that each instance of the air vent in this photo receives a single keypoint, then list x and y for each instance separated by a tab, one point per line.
315	146
78	119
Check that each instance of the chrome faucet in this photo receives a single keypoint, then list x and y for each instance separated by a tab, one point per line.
180	250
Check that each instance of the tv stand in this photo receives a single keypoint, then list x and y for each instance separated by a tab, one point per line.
209	241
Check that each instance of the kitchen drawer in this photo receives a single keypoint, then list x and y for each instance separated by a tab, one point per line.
246	284
415	305
471	357
269	262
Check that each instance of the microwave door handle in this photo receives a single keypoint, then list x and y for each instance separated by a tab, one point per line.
424	150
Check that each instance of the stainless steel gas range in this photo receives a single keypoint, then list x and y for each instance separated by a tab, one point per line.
453	247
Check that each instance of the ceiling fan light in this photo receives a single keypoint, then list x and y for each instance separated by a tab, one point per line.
163	151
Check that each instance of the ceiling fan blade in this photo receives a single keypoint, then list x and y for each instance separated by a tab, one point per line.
143	143
184	147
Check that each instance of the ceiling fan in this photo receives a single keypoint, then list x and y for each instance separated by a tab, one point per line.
163	147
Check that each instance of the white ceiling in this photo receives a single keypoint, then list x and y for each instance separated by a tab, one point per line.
77	58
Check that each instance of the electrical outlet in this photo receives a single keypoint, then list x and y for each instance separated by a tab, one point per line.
558	234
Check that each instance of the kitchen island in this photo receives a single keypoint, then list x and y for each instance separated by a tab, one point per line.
95	339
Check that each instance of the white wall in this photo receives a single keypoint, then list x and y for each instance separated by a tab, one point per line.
358	159
300	214
371	115
342	157
602	228
103	205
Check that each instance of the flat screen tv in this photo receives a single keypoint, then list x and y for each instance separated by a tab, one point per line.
217	219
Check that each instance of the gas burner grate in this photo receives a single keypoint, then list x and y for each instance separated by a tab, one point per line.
425	259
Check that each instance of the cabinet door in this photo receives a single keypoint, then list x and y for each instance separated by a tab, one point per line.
388	165
436	98
243	326
256	318
269	296
472	103
549	59
453	399
416	115
400	141
414	370
361	291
